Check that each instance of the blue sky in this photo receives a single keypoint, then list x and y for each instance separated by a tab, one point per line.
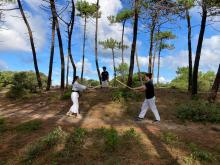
15	52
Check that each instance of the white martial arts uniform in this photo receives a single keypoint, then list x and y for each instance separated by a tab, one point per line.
105	84
149	102
75	97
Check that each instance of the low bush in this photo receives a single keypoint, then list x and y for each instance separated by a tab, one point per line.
24	83
29	126
199	111
123	94
2	125
43	145
169	138
199	154
66	95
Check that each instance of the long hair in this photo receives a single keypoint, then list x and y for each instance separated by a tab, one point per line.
75	78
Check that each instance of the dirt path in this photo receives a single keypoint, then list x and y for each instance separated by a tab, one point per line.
98	110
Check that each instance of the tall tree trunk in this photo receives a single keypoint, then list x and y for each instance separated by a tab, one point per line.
67	71
154	58
151	44
32	44
70	32
53	10
215	87
122	42
138	66
96	42
84	44
158	69
189	50
135	29
122	49
113	57
51	56
198	51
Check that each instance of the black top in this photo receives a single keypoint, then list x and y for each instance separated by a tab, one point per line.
150	90
105	76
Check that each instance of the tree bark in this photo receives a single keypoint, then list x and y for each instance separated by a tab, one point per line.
151	43
198	51
113	57
53	10
51	56
138	66
96	43
32	44
84	44
189	50
158	70
154	58
135	29
70	32
122	42
215	87
67	71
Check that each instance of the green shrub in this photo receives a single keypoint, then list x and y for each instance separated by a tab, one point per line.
199	111
23	83
199	154
169	137
2	125
123	94
29	126
43	145
66	95
111	139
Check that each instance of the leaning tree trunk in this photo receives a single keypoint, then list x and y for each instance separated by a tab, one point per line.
51	56
96	42
32	44
158	69
151	44
215	87
198	52
84	44
53	10
135	29
70	32
189	50
154	58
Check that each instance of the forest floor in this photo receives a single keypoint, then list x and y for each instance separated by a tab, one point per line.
170	142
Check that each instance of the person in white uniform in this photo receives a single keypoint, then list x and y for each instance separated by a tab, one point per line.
149	101
76	88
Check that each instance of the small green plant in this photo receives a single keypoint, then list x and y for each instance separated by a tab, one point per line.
199	154
169	137
199	111
43	145
121	95
77	137
66	95
29	126
2	125
111	139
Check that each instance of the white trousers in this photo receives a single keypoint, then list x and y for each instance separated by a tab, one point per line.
105	84
75	99
149	103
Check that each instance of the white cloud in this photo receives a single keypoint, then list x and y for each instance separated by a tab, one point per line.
3	65
210	56
14	35
87	67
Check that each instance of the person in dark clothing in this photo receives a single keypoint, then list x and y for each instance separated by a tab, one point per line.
149	101
105	77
